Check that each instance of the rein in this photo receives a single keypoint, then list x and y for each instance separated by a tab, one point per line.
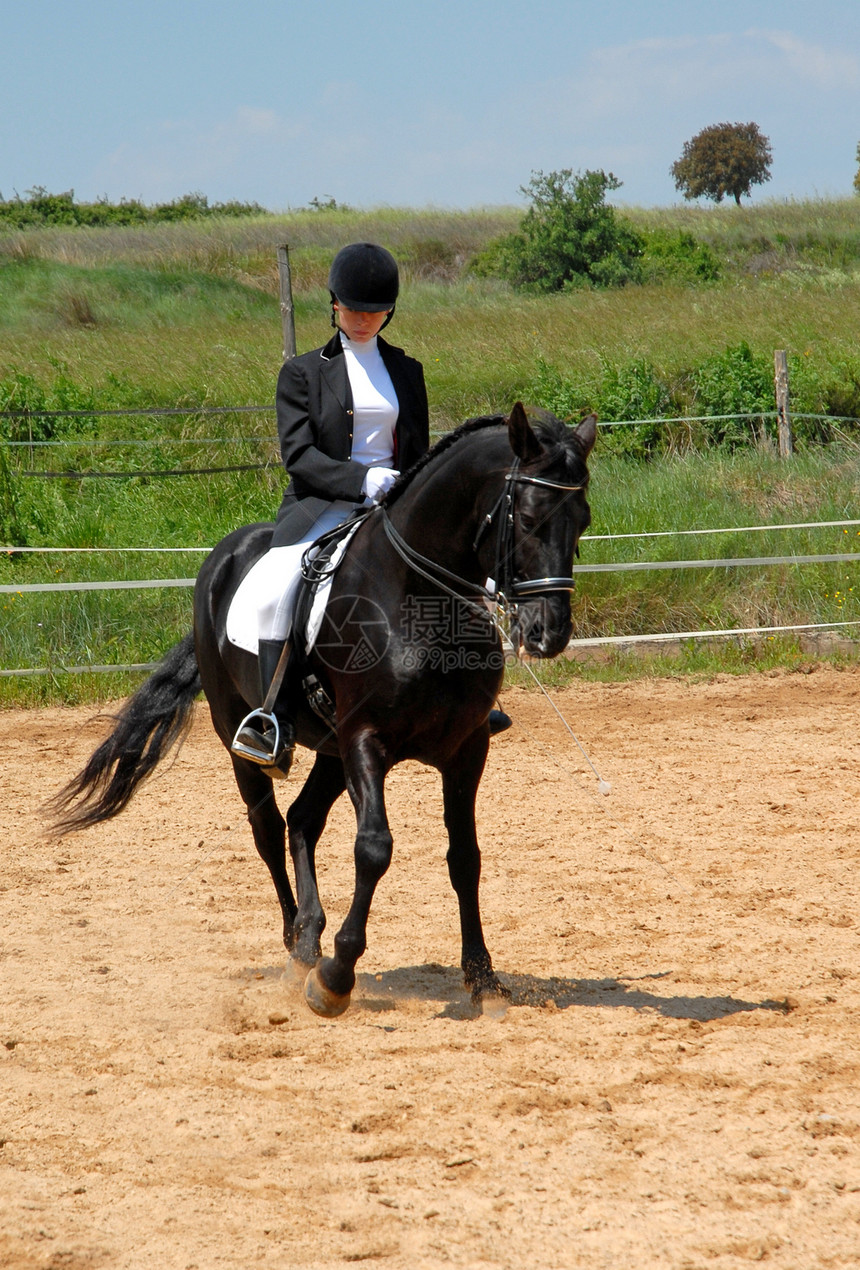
415	561
316	561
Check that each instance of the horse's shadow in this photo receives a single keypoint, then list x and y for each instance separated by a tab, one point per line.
380	993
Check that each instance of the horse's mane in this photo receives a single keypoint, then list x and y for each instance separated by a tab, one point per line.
551	430
444	443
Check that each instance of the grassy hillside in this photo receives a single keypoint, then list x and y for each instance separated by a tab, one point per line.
187	314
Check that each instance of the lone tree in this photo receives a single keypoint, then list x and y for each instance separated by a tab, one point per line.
857	174
727	158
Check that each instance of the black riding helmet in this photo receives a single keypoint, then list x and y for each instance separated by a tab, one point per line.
364	277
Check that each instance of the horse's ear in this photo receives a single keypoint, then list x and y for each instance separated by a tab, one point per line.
586	435
524	443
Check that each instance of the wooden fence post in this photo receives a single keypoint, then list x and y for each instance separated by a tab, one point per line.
285	286
780	375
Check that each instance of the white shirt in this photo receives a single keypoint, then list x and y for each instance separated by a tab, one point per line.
374	403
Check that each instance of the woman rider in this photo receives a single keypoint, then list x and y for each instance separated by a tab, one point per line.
351	416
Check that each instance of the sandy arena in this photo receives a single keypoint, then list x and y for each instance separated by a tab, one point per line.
676	1083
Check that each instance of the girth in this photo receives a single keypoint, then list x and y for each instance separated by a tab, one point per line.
314	572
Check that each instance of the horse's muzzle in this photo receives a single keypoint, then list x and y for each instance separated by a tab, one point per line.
542	626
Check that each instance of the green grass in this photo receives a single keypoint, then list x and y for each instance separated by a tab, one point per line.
711	490
187	314
770	236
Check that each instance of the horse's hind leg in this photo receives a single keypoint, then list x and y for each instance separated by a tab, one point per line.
329	985
460	780
267	825
306	820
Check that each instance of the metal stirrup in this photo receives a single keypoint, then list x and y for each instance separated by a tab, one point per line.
259	756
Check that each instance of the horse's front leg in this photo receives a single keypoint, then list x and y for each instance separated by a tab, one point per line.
460	780
330	983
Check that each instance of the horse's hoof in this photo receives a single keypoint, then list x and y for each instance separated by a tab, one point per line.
490	996
321	999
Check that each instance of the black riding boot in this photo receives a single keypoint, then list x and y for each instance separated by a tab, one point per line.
499	722
268	739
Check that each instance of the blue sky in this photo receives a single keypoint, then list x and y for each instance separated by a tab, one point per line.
451	104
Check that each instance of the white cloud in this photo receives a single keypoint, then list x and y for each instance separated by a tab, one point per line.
688	69
828	68
255	122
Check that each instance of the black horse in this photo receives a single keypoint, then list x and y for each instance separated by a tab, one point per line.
407	665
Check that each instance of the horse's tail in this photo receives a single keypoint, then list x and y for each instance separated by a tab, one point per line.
150	722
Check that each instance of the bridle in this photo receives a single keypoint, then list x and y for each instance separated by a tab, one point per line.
505	510
505	589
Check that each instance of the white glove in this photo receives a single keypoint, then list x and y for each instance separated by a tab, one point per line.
378	481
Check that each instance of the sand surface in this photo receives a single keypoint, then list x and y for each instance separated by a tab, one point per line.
676	1082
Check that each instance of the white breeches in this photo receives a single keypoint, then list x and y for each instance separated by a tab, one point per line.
280	573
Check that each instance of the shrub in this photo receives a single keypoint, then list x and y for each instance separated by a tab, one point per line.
30	402
42	208
677	257
569	237
842	399
553	391
736	381
627	391
634	390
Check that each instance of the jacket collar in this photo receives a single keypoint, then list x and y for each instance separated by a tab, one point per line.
334	371
334	348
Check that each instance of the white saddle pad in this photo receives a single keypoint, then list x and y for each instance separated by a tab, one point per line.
254	590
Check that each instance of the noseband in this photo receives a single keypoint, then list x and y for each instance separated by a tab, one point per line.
505	588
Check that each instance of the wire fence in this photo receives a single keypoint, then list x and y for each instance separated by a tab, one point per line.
846	557
635	566
33	445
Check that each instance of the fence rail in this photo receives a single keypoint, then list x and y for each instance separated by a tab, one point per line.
600	641
652	533
738	562
79	443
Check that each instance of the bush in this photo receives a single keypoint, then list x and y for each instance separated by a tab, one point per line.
842	399
29	401
568	237
627	391
677	257
553	391
737	381
741	381
41	208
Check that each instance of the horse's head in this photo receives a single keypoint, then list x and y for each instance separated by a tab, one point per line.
547	513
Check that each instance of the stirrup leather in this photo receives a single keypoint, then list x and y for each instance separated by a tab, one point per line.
266	758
